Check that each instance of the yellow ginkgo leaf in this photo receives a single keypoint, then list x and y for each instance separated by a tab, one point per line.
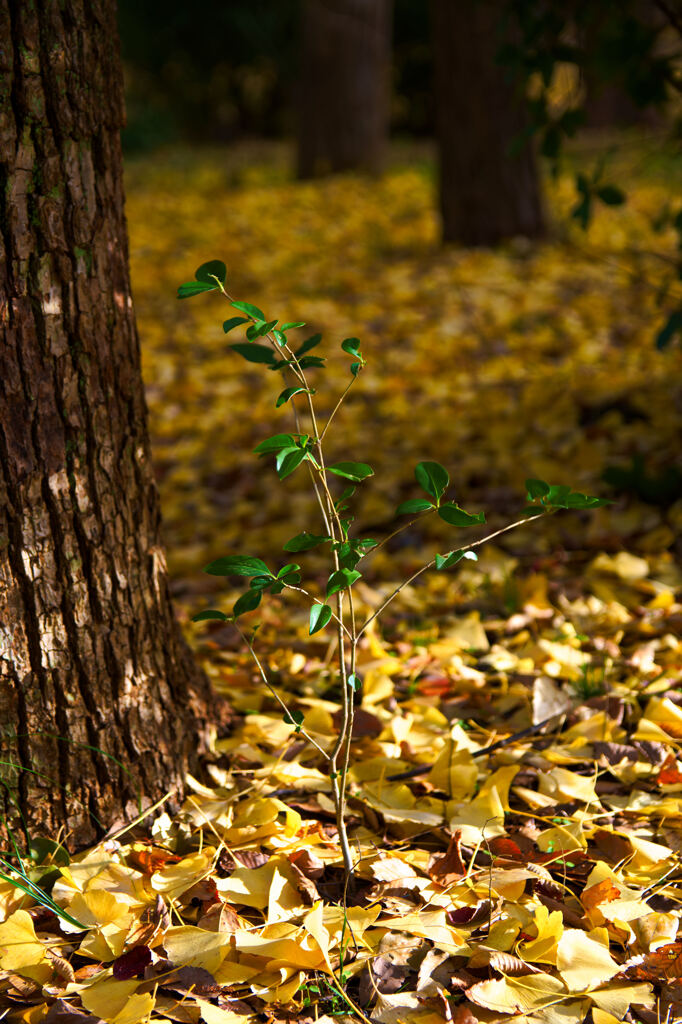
550	928
212	1014
431	925
174	879
602	1017
137	1009
617	999
19	945
187	946
517	995
314	925
583	961
105	997
454	773
481	819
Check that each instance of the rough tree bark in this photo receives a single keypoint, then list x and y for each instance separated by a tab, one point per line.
344	97
489	187
90	654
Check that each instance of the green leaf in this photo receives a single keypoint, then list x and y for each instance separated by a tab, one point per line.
234	321
253	311
208	271
186	291
453	557
413	505
557	495
356	471
536	489
348	493
288	461
280	337
254	353
342	579
275	444
320	614
433	478
260	582
287	570
352	347
611	195
310	362
210	613
294	718
264	328
456	516
47	851
581	501
248	602
304	542
355	368
349	553
671	327
354	681
289	393
238	565
289	326
310	342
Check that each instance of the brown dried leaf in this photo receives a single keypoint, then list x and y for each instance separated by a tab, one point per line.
133	963
220	917
450	867
62	1012
380	977
305	886
23	988
308	862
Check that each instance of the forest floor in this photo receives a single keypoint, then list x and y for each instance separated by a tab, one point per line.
541	882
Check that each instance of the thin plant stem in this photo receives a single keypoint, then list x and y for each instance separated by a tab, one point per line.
274	693
429	565
400	529
337	407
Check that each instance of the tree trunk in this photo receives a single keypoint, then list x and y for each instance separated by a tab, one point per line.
489	188
100	701
344	98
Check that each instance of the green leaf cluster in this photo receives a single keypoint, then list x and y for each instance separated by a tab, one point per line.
549	497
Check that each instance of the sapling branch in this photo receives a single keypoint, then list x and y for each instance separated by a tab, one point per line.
274	693
301	590
430	565
400	529
337	407
345	552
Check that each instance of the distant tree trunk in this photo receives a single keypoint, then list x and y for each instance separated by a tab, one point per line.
100	699
489	188
344	97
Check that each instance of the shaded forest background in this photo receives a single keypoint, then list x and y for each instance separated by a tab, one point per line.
233	73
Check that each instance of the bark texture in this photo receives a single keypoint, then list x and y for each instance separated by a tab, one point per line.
90	654
344	97
489	187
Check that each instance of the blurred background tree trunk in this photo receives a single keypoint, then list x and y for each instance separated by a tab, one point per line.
344	86
489	185
101	700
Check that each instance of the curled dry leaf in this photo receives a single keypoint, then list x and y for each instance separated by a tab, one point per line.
450	866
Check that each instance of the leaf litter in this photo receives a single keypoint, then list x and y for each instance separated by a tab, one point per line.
540	881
